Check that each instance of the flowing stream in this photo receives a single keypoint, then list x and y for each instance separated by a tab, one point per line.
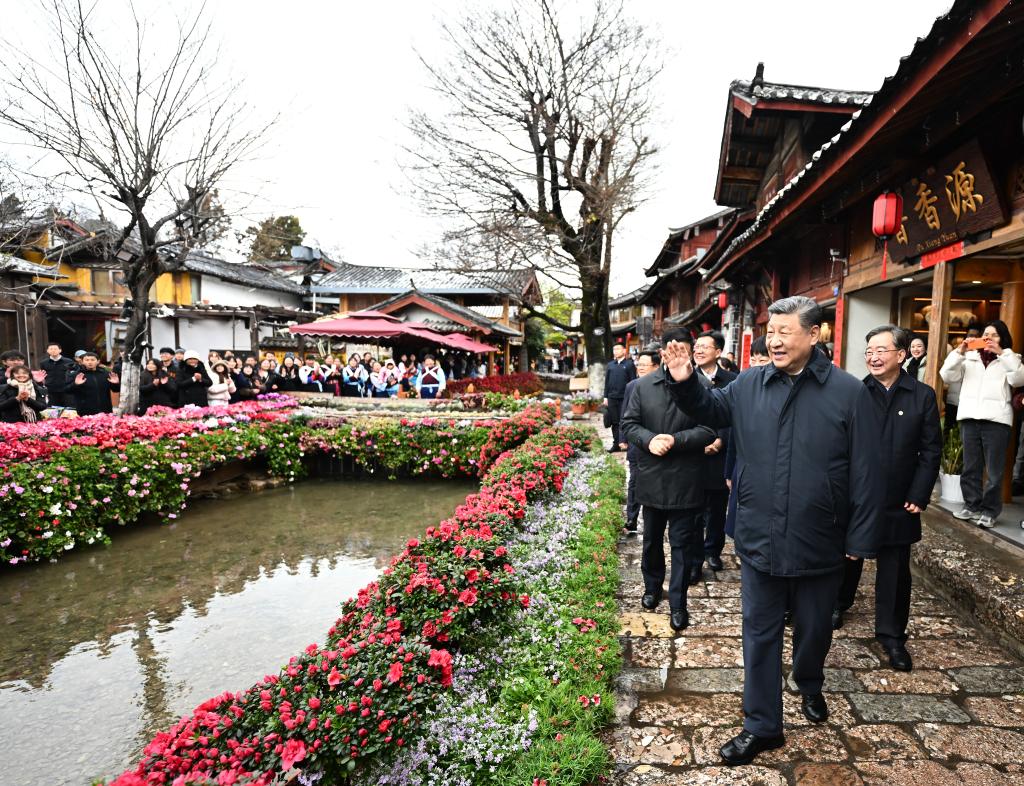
110	645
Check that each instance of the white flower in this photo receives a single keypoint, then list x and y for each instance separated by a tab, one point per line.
47	489
55	510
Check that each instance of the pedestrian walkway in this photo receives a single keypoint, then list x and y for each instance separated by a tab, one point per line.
956	719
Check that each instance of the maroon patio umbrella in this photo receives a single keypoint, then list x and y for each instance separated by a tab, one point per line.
359	324
467	344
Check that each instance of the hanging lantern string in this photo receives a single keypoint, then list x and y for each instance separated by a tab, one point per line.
885	257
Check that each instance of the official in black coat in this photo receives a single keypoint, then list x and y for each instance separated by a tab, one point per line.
707	350
57	368
193	380
911	447
619	373
646	362
808	497
91	386
669	486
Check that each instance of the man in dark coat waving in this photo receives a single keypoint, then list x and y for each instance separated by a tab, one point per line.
911	446
807	488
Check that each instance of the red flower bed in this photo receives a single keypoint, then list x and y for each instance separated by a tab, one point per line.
39	440
385	660
526	382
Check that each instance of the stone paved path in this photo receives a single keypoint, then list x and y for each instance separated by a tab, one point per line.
956	719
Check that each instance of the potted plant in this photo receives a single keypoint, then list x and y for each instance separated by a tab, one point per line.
580	403
951	467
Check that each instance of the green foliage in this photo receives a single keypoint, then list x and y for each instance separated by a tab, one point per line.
273	238
953	452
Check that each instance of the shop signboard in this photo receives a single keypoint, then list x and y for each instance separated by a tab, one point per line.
954	198
748	340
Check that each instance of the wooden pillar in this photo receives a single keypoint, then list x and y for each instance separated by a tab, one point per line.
938	326
254	334
490	364
1012	313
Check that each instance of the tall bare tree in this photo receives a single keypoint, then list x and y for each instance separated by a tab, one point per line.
539	148
143	121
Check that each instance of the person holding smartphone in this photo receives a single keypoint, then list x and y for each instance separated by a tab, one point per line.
988	370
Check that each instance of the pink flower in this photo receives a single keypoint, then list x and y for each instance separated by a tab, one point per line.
334	678
294	750
395	672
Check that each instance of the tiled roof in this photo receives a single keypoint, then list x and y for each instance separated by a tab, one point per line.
751	91
630	298
10	264
246	274
350	279
452	307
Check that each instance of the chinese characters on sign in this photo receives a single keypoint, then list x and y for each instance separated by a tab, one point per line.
925	207
971	204
962	196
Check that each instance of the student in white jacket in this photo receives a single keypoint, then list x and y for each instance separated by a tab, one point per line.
985	417
219	393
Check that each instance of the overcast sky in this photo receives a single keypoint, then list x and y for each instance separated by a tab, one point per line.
343	75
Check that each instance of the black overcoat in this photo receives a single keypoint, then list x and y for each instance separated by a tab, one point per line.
911	447
616	376
10	407
674	481
57	373
189	390
92	397
714	465
807	481
163	395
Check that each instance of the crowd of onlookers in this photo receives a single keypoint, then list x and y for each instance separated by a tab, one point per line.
178	378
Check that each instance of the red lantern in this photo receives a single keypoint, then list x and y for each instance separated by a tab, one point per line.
723	300
886	220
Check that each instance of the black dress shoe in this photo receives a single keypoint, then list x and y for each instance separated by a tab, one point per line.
679	619
837	619
814	707
631	526
614	449
715	563
899	658
744	747
650	601
787	620
695	574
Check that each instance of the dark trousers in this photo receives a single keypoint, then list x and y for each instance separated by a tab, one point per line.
632	506
684	536
984	452
716	503
614	417
765	598
892	592
58	398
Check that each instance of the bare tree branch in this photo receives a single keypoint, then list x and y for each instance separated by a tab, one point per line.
152	133
539	149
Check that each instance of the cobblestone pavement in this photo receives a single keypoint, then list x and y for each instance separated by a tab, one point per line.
956	719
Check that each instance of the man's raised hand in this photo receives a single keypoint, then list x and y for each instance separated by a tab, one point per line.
676	357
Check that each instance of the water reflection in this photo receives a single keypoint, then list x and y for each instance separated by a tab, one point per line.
108	646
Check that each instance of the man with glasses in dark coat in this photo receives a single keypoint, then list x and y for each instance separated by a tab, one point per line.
911	438
807	487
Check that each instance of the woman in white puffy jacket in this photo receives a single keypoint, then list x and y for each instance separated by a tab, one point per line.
988	376
219	393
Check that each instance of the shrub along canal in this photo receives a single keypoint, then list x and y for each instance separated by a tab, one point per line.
111	645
